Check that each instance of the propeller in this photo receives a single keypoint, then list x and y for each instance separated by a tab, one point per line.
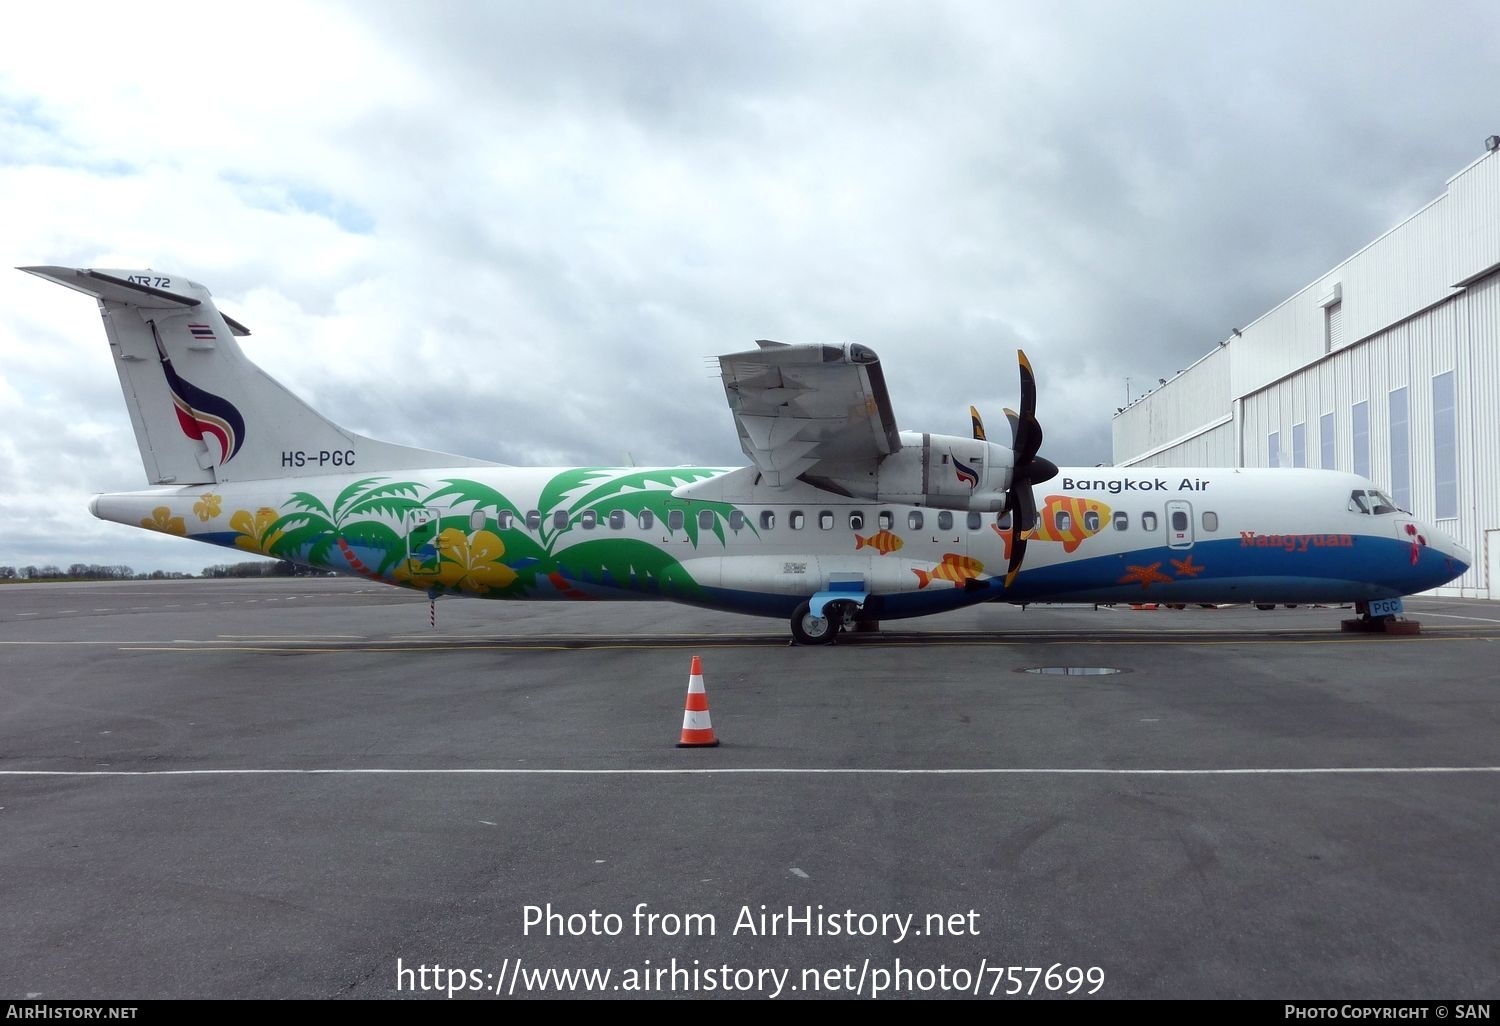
1028	469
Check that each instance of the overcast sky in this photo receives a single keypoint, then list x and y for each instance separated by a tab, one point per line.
516	230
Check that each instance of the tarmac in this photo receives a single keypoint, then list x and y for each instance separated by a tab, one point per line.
306	789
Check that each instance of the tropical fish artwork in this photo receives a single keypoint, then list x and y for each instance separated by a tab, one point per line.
954	567
884	543
1084	519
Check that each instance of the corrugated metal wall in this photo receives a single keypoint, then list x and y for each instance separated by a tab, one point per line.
1403	324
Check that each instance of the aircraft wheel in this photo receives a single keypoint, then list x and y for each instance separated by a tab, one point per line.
812	630
1265	605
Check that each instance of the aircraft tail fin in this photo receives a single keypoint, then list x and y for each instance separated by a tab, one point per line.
202	411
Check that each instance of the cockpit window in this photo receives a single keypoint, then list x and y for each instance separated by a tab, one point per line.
1372	502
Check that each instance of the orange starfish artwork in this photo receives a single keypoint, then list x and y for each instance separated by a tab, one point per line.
1146	576
1186	567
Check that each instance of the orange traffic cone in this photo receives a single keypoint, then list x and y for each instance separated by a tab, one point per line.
697	729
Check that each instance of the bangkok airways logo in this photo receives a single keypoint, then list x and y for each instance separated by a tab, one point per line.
966	474
201	414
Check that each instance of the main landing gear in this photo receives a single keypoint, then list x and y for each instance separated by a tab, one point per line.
808	629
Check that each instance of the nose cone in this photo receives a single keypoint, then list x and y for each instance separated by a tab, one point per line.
1456	559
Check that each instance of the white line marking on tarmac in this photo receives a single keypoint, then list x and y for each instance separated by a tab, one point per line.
28	614
798	872
1455	616
999	771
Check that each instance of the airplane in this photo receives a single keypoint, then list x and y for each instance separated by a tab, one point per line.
840	521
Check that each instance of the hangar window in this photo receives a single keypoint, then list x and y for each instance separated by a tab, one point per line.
1210	521
1063	521
945	521
1091	521
1122	521
1299	445
588	520
1400	448
796	519
736	520
825	520
1273	449
505	520
1327	439
675	520
914	520
617	520
560	520
533	521
886	520
976	521
705	520
1148	521
856	521
767	519
647	519
1361	417
1445	445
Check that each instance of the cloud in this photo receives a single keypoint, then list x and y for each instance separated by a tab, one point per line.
517	230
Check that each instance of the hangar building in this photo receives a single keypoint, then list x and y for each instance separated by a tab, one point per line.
1388	366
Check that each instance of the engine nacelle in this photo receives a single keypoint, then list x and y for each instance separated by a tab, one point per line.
942	471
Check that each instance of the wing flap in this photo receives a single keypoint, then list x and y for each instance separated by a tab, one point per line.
796	406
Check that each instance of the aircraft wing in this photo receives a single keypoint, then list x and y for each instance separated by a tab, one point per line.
797	406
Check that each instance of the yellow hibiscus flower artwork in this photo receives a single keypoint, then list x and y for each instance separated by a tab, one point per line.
207	507
251	527
161	519
472	564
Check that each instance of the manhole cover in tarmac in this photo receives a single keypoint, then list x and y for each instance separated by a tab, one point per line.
1072	671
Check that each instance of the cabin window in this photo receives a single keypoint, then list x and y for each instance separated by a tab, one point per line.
945	521
533	520
1148	521
1122	521
825	520
736	520
617	520
1002	521
976	520
1179	521
505	520
705	520
675	519
797	519
588	519
1210	521
1357	503
1382	503
886	519
647	519
767	519
914	520
560	520
1091	522
1062	520
856	521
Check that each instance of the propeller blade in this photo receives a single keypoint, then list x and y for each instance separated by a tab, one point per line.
1015	425
978	423
1025	517
1017	553
1028	388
